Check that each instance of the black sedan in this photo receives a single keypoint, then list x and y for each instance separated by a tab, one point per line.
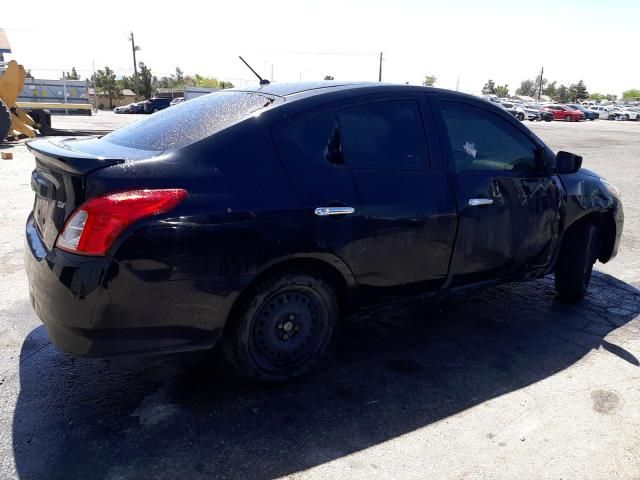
257	218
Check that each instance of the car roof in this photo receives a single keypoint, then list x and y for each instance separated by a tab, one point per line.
308	90
287	89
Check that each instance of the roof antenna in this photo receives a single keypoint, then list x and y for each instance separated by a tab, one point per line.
263	81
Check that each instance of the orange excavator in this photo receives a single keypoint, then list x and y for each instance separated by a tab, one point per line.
14	121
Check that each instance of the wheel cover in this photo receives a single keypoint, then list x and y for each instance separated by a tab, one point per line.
288	329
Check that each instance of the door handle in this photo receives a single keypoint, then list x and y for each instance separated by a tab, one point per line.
326	211
477	202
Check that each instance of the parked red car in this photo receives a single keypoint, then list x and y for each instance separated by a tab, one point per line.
562	112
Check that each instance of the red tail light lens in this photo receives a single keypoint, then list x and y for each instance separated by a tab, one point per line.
94	226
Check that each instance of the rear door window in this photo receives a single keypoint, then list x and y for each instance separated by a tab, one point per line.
312	141
386	135
191	121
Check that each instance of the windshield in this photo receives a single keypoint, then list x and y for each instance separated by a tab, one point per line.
189	122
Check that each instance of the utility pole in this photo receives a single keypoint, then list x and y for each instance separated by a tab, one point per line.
380	69
134	49
95	87
540	86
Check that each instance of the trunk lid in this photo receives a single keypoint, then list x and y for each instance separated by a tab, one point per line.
59	179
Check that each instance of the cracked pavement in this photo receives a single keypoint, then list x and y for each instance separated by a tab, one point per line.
506	383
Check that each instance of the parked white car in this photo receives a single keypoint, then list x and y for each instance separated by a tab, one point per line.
627	113
606	113
516	110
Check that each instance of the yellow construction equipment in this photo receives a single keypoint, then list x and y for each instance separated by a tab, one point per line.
14	121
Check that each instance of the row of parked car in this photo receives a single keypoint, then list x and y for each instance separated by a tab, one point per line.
148	106
570	112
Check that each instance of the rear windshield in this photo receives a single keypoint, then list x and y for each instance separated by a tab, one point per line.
190	121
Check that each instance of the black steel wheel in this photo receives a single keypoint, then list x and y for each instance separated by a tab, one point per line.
5	121
283	328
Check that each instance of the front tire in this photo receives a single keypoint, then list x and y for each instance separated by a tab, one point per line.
521	116
568	118
575	262
283	328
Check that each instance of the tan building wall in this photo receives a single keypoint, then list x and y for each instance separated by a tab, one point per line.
104	100
127	98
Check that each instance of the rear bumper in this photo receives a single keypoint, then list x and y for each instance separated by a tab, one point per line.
97	306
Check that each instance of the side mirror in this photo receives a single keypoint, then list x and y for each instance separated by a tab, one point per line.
567	162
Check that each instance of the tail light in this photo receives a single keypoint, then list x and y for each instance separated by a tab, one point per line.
95	225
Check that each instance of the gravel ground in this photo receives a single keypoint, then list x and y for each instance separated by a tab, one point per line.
505	384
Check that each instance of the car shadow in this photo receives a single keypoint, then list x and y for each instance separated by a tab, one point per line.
391	370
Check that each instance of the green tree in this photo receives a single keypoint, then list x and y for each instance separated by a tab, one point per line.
632	94
550	89
127	82
73	75
163	82
178	78
573	93
210	82
502	91
144	85
580	91
105	82
489	88
607	96
562	94
527	87
540	88
429	80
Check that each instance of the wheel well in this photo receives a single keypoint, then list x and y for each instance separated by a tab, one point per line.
606	232
328	272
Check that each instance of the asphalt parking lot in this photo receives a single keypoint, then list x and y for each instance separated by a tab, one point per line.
507	383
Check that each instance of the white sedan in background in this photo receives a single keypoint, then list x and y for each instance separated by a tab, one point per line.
606	113
627	113
516	110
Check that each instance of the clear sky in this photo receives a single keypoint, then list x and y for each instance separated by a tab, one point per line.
508	41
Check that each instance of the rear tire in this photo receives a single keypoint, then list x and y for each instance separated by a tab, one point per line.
283	328
521	116
575	262
567	118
